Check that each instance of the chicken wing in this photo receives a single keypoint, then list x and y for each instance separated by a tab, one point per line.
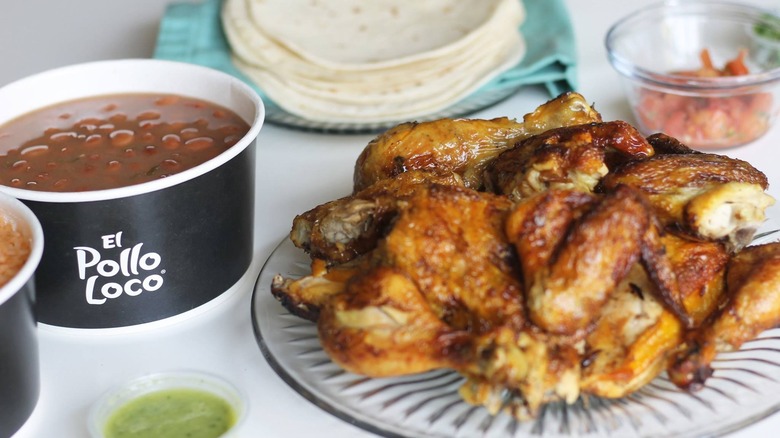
752	306
461	146
631	340
340	230
573	259
705	196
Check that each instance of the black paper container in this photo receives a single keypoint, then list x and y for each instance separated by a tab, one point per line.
19	365
142	253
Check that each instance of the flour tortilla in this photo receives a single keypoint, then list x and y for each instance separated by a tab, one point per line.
382	110
258	51
255	45
405	60
380	33
441	83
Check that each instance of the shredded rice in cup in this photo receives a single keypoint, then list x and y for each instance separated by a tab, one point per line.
14	250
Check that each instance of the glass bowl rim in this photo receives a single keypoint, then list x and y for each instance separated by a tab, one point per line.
724	9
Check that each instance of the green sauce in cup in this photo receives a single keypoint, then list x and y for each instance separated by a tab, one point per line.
172	413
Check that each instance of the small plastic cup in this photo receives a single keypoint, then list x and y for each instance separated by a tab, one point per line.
110	402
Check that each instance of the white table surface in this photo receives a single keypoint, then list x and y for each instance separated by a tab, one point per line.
296	171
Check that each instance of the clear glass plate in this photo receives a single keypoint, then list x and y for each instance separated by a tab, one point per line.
744	388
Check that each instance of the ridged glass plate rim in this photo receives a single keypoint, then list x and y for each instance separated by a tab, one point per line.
434	397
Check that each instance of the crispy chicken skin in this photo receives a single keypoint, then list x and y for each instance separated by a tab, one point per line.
699	269
574	258
667	145
563	158
450	241
461	146
540	260
340	230
383	325
705	196
432	273
443	291
752	293
630	342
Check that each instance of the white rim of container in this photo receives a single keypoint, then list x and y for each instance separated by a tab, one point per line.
119	395
734	11
24	219
236	85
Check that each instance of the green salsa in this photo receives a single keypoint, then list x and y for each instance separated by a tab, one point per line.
172	413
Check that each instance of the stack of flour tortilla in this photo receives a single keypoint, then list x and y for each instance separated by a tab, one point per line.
372	61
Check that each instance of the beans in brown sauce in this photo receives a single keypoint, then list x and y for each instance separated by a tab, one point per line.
113	141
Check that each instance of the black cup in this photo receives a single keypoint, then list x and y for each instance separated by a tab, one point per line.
19	363
142	253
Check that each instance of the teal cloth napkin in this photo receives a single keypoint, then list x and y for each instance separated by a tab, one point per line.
192	32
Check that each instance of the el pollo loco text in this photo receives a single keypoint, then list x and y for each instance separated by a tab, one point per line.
128	264
113	141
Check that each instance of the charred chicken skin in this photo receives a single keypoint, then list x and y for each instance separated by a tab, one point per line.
705	196
341	230
562	158
542	260
571	265
461	146
752	305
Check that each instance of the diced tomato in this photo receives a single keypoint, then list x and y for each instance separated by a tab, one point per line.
712	121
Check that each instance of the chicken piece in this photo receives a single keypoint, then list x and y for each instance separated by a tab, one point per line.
305	296
384	325
635	334
699	269
753	305
444	291
705	196
340	230
520	372
447	239
631	340
450	241
461	146
572	157
667	145
575	249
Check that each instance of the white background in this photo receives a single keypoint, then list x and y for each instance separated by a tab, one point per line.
296	171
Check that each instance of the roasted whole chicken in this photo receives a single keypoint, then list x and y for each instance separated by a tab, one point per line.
543	260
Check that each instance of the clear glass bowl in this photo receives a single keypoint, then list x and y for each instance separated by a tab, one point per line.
657	49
